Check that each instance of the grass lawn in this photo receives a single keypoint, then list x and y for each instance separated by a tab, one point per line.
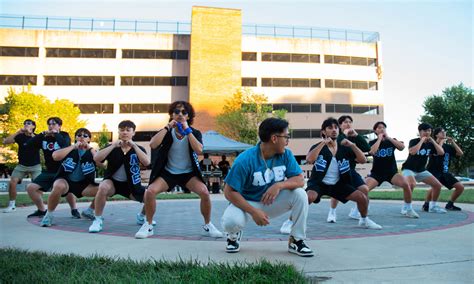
24	199
19	266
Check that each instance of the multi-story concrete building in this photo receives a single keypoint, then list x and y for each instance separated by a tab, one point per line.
115	70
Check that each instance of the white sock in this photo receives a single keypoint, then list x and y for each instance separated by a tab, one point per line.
332	210
49	213
98	218
407	206
363	219
432	204
11	203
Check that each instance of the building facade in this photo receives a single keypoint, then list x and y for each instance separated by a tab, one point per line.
117	75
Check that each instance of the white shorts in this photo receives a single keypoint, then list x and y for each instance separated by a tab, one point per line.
419	176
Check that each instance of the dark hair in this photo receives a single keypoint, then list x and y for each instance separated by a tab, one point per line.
344	117
424	126
437	130
328	122
83	130
127	124
206	156
270	126
56	119
32	123
187	106
378	123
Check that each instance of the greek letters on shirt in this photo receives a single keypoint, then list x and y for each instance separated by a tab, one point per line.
276	173
344	166
135	169
69	165
87	168
423	152
50	146
382	153
320	164
446	163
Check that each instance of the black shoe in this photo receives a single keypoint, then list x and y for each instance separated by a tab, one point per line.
425	207
75	214
37	213
234	245
299	248
452	207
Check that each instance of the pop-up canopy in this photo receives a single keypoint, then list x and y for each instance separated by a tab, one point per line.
217	144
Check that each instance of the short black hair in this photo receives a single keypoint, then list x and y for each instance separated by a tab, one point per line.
270	126
187	106
328	122
378	123
342	118
55	119
127	124
32	123
84	131
424	126
437	130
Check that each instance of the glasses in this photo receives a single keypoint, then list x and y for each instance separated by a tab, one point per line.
28	123
83	135
287	137
178	111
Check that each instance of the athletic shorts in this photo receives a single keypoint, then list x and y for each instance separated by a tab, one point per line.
21	171
176	179
447	179
357	180
45	181
124	189
419	176
340	191
77	187
380	178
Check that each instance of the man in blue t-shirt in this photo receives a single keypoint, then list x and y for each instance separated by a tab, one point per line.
265	182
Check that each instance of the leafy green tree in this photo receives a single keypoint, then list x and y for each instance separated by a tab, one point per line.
102	140
243	113
454	111
24	104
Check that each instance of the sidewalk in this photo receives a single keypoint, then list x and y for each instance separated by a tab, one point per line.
434	248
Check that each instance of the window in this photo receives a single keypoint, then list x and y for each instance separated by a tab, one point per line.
291	57
96	108
249	82
343	108
329	83
342	84
300	58
153	81
342	59
249	56
81	52
143	108
348	84
315	107
300	133
350	60
79	80
300	108
281	57
291	82
154	54
142	136
362	85
328	59
19	51
346	108
373	86
18	80
362	61
286	107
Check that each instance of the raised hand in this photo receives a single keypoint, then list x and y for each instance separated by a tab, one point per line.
346	142
260	217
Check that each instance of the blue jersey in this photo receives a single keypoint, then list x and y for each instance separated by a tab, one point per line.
251	176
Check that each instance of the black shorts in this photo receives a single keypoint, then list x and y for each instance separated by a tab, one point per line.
447	179
124	189
45	181
340	191
180	179
357	180
77	187
380	178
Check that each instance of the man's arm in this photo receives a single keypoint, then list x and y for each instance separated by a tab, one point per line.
63	139
376	145
439	148
239	201
458	149
359	155
414	149
142	156
291	183
11	139
103	153
398	144
60	154
314	153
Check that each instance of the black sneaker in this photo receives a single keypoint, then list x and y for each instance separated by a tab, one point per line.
233	245
37	213
299	248
75	214
425	207
452	207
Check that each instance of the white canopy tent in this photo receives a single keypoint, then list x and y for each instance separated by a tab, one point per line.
217	144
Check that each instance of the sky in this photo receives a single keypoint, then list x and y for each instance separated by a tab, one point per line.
426	45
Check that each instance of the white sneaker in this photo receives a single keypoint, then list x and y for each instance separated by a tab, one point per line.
47	220
331	217
211	231
88	214
146	230
437	209
9	209
286	227
141	220
369	224
411	214
97	225
403	211
354	214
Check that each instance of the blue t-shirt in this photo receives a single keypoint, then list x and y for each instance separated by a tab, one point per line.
250	177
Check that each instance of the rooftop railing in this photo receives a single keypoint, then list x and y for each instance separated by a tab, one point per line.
121	25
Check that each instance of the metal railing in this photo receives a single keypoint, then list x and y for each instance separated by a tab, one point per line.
121	25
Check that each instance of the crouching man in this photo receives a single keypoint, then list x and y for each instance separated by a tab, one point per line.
266	182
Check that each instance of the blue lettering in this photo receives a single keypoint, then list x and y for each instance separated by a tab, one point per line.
135	169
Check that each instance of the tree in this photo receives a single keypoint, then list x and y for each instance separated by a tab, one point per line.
24	104
102	140
243	113
454	111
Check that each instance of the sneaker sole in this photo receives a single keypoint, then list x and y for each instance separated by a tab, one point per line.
142	237
232	251
299	253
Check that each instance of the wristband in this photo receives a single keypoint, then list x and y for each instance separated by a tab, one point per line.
188	131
